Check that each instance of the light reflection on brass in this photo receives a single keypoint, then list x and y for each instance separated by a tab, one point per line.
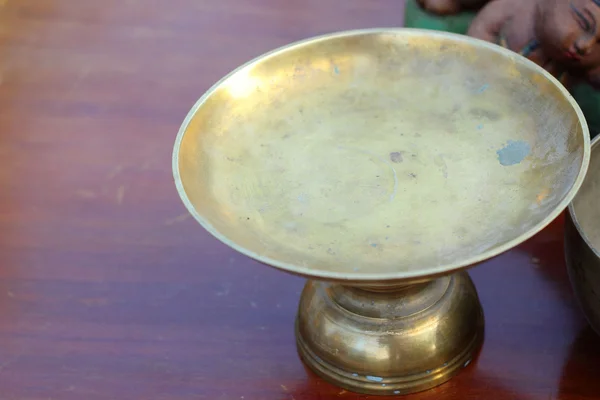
379	164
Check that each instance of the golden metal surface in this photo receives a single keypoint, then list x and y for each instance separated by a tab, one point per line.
376	155
382	162
582	241
390	342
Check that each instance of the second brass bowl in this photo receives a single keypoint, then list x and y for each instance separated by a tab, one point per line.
582	241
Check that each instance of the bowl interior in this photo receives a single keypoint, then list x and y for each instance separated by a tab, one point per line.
381	154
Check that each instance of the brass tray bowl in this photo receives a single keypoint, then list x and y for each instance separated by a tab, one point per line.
582	241
379	163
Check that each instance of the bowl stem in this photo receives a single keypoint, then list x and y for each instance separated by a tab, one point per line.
395	340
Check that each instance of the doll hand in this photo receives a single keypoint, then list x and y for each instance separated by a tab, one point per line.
488	22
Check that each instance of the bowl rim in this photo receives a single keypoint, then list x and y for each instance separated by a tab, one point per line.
572	213
420	273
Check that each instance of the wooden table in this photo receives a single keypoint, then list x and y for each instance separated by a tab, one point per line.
108	290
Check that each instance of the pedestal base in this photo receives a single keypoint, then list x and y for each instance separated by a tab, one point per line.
395	341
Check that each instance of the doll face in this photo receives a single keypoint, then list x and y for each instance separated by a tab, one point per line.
569	30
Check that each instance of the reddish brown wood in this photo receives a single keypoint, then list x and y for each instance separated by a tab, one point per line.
109	291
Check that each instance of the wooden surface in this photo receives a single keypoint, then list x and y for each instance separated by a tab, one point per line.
109	291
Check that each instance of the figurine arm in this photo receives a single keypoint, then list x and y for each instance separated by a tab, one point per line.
487	23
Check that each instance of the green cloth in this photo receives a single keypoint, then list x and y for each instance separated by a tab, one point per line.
588	99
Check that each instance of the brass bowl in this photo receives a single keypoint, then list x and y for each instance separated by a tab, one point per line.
582	241
380	163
